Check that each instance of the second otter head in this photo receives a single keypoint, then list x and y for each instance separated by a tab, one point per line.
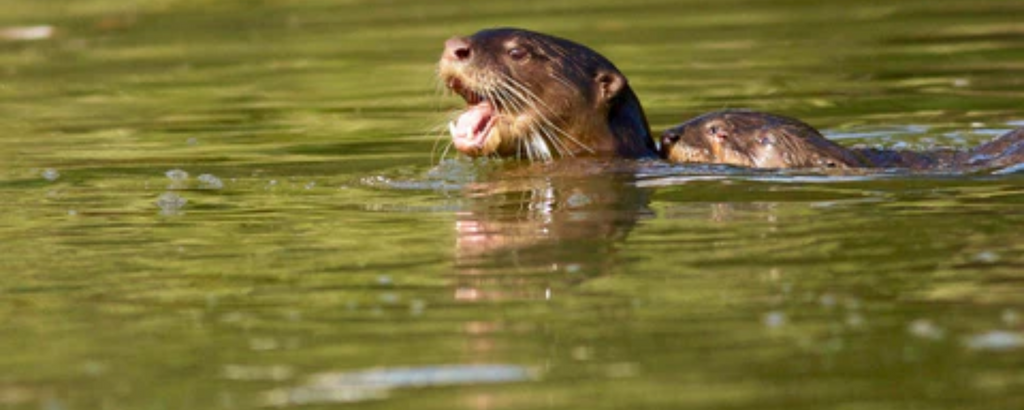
540	97
753	139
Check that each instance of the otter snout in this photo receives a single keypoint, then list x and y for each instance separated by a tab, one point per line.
667	141
457	49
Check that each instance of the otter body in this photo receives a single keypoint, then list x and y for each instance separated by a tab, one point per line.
539	97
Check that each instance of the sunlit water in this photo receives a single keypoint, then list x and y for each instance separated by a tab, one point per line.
229	205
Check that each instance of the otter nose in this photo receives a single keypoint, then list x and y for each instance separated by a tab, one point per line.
456	49
667	140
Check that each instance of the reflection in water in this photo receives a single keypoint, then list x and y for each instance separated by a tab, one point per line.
544	218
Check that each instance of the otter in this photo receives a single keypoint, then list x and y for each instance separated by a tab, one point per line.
540	97
761	140
536	96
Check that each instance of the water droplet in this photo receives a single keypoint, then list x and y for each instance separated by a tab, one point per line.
582	353
1010	317
389	298
50	174
925	329
417	306
774	319
208	181
996	340
987	257
170	203
177	175
854	320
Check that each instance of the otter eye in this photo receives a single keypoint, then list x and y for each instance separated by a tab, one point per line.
517	53
712	130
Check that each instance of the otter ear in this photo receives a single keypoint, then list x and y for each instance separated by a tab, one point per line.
609	83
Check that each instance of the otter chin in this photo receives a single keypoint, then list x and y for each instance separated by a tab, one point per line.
538	97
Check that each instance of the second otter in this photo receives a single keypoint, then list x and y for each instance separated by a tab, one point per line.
761	140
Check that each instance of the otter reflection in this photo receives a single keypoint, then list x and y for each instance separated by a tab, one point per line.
566	219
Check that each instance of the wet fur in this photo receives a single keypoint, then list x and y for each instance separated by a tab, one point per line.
565	101
761	140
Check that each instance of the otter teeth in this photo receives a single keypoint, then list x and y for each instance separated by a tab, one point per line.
451	128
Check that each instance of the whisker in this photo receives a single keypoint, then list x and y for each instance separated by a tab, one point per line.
543	117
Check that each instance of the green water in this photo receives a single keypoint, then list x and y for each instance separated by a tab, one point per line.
340	266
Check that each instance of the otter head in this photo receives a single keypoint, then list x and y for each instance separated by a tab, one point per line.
753	139
539	97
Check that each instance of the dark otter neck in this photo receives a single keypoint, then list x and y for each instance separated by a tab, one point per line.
629	127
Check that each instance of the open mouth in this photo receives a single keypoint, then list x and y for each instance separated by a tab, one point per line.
470	130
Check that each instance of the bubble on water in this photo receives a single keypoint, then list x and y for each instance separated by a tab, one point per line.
827	300
855	320
986	257
774	319
925	329
177	175
27	33
582	353
996	340
417	306
170	203
384	280
961	82
209	181
1010	317
310	185
72	212
192	141
50	174
389	298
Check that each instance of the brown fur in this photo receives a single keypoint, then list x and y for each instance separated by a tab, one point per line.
760	140
753	139
582	102
554	98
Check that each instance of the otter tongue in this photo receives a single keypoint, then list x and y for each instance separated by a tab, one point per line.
473	122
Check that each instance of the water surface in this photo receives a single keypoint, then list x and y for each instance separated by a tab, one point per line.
328	257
